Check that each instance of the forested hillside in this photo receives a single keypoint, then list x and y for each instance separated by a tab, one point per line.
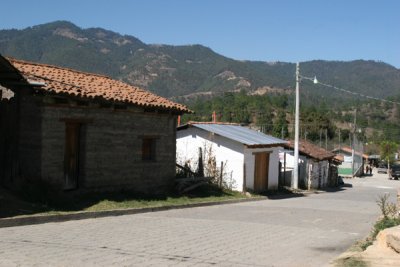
251	92
273	113
184	70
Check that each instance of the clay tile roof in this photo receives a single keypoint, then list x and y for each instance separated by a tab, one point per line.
62	80
312	150
339	158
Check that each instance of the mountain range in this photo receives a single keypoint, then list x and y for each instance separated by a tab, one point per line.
189	70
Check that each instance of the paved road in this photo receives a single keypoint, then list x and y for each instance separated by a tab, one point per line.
303	231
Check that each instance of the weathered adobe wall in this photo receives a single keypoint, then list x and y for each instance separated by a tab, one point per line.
318	174
8	112
8	139
29	136
111	148
19	138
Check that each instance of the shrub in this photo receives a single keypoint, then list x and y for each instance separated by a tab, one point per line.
383	224
388	210
390	218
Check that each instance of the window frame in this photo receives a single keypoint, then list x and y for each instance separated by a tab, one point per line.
149	148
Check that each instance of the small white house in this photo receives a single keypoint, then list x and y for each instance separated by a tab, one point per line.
250	159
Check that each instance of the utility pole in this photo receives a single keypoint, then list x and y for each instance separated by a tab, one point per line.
320	137
295	179
326	139
340	145
387	150
352	145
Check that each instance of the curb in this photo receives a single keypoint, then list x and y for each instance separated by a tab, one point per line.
39	219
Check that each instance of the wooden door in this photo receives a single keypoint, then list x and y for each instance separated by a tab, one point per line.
261	169
71	160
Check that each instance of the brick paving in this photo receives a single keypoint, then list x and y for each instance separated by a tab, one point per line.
303	231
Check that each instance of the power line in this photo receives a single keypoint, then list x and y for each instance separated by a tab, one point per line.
348	91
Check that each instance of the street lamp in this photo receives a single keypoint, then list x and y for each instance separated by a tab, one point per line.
295	180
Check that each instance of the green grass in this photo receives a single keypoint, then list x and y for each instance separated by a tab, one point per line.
351	262
49	203
380	225
353	258
389	219
365	243
384	223
214	195
355	261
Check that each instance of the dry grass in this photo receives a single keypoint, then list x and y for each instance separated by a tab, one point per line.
109	201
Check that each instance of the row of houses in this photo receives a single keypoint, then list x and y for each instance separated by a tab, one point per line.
252	160
81	131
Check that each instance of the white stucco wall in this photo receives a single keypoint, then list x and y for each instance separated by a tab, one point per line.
303	168
234	154
314	174
188	142
273	172
290	159
320	174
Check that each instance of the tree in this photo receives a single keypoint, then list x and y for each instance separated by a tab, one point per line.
280	125
264	121
388	148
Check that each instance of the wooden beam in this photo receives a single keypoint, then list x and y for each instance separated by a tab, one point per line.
265	146
261	152
77	120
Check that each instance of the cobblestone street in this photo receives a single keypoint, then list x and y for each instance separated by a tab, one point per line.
302	231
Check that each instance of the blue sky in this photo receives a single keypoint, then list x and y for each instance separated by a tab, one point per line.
267	30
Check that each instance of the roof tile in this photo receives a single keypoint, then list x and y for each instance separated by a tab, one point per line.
312	150
62	80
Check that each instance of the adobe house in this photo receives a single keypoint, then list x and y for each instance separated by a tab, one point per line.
250	159
317	166
77	130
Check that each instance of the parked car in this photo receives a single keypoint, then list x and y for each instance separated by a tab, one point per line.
395	172
382	168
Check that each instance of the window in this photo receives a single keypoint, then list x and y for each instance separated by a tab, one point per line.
149	149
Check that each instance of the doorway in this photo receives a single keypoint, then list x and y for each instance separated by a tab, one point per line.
261	169
71	157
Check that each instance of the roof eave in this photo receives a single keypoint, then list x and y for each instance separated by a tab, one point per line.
52	92
265	145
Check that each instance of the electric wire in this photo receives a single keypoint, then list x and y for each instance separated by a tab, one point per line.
348	91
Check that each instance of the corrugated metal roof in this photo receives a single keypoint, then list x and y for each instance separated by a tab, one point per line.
240	134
